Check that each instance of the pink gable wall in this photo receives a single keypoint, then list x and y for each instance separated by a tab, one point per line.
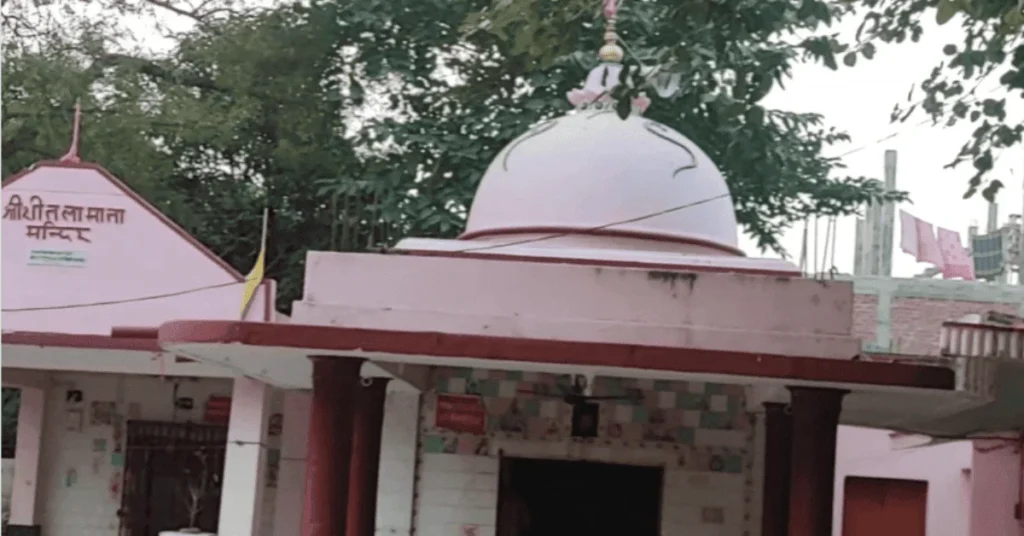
142	256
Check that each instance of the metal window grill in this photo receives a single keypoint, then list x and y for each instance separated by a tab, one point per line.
161	462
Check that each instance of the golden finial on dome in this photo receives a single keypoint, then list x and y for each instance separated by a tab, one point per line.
600	84
611	52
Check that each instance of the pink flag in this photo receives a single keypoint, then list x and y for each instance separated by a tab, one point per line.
908	234
929	247
956	261
918	239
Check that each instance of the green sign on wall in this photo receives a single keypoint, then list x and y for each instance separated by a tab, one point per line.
49	257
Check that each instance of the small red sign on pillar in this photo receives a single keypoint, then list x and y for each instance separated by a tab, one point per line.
461	413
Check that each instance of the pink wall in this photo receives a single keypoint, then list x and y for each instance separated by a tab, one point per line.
996	473
973	487
140	256
868	452
970	493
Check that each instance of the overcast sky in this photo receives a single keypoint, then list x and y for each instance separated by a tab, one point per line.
859	101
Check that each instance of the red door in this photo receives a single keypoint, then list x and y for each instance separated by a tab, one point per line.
884	507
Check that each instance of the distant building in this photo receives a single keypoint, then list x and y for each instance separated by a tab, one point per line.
887	480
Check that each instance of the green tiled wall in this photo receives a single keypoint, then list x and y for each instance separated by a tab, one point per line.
668	415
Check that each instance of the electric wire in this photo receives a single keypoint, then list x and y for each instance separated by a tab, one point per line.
126	300
551	236
898	133
588	230
488	247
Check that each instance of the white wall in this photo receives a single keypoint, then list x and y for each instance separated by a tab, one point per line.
397	479
458	490
867	452
273	443
435	494
80	484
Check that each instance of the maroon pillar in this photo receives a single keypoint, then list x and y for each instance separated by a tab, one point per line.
815	424
331	419
778	455
362	483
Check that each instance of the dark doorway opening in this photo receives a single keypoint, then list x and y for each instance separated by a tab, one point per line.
172	474
562	498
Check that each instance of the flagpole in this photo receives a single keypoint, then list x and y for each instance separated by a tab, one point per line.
266	222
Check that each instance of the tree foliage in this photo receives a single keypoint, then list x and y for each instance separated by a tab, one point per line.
773	33
992	46
364	122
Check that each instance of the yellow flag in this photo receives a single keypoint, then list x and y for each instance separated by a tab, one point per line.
255	277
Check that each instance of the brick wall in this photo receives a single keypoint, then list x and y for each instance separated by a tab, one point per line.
702	436
80	480
916	321
865	316
904	315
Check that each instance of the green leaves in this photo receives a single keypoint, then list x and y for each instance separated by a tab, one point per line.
822	48
727	58
947	9
371	124
868	50
990	50
626	91
990	191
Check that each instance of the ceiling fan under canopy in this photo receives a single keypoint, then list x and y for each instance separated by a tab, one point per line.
577	392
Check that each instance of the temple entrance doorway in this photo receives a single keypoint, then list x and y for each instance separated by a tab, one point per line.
172	475
562	497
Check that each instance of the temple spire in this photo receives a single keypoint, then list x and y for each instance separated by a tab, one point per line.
597	89
72	155
611	52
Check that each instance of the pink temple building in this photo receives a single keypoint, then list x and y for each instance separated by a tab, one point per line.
595	350
82	254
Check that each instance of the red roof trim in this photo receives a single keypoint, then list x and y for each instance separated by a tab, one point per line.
130	341
44	339
134	197
330	338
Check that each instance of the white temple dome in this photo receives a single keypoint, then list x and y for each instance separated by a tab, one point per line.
584	173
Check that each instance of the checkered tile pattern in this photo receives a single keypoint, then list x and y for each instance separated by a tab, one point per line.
704	425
